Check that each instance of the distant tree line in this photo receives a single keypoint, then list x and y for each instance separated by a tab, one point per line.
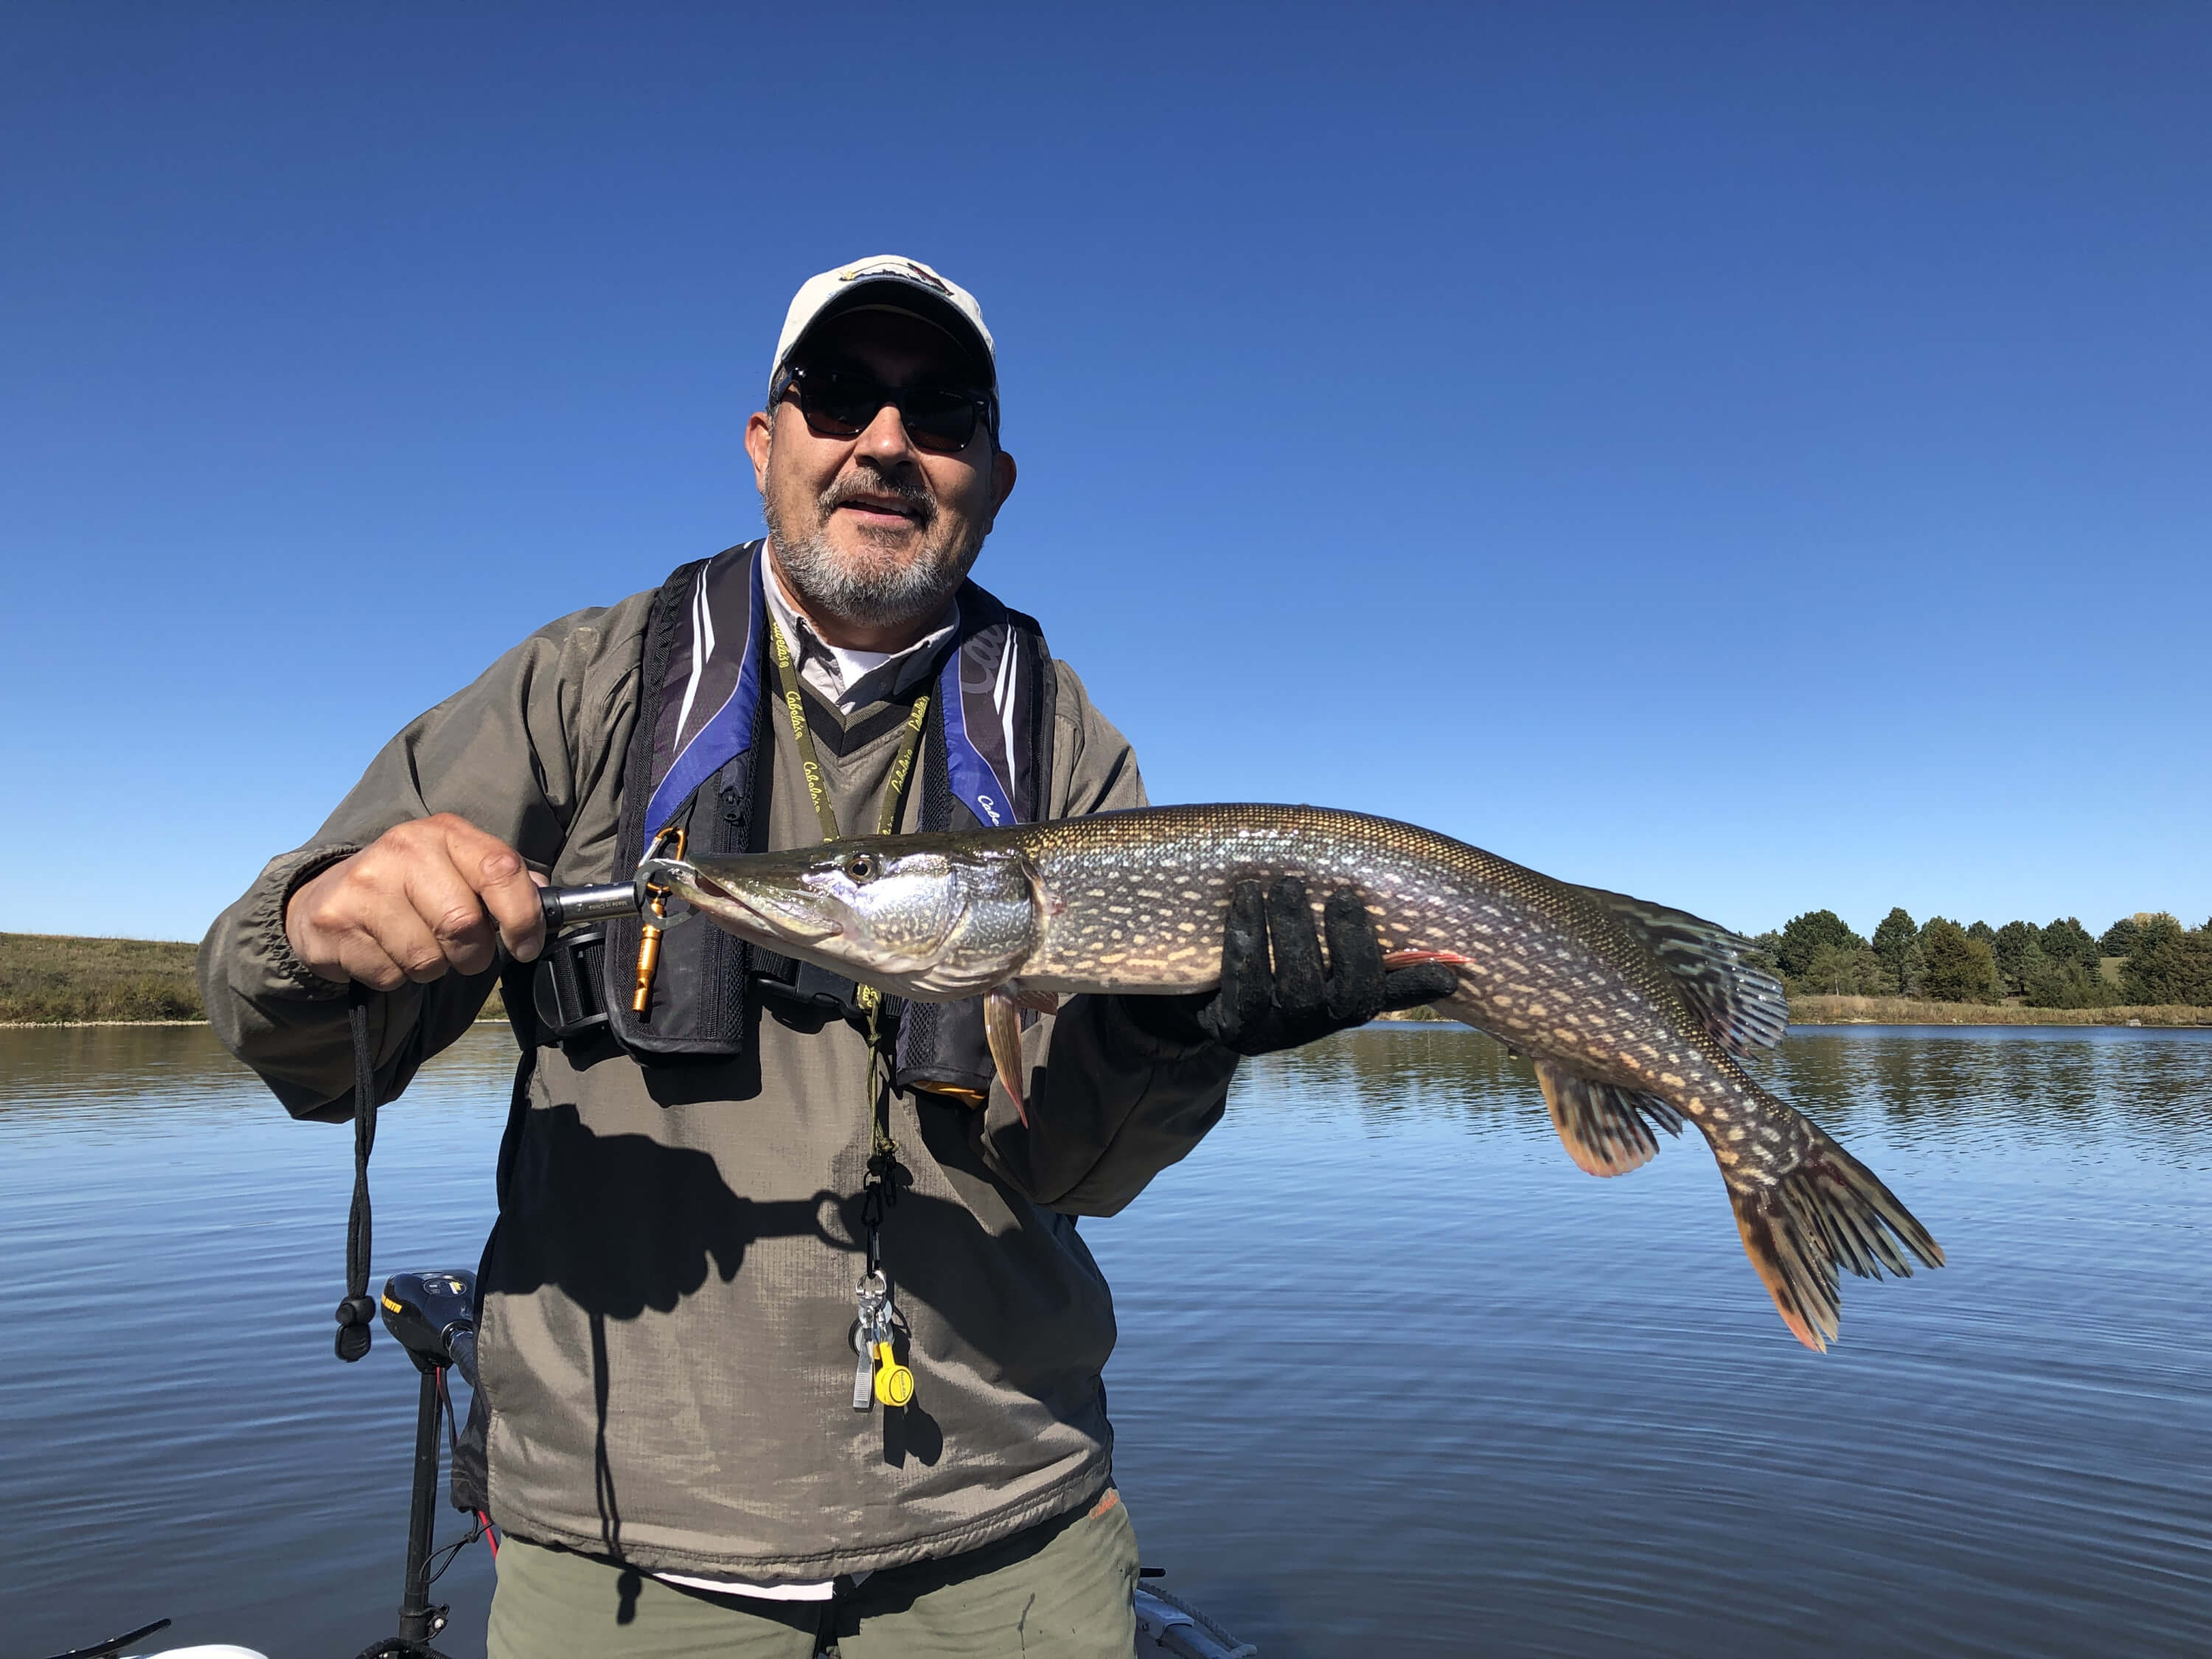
2061	965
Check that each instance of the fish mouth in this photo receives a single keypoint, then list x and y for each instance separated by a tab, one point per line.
758	910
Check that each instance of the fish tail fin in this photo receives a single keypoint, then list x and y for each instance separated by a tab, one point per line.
1830	1211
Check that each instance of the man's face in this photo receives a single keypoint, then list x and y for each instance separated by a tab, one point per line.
874	532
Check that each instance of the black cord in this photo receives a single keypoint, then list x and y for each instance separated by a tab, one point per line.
356	1313
446	1556
453	1441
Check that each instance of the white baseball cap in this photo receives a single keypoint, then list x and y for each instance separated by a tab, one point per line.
888	281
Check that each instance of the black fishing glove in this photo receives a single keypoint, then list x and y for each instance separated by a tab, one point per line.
1283	997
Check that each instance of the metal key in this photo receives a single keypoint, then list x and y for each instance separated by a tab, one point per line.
873	1296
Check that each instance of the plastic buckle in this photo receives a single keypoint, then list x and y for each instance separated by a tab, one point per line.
812	997
565	990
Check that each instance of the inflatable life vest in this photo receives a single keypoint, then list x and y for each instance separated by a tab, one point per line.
695	762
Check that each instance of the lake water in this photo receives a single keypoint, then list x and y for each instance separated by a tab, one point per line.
1393	1376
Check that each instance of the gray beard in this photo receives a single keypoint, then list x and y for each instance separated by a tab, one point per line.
872	592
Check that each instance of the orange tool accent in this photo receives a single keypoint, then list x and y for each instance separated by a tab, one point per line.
648	939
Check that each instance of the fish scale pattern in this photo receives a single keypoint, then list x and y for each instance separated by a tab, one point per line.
1635	1015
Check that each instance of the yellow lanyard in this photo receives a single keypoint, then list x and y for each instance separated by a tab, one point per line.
809	763
901	768
880	1377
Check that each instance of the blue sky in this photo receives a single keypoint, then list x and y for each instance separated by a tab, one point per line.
1753	456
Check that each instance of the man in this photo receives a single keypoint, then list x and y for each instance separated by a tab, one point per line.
717	1158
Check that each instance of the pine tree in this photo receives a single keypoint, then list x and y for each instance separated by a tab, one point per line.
1896	942
2018	948
1954	967
1841	970
1803	935
2168	965
2067	940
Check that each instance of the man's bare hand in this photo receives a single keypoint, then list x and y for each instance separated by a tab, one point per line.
410	906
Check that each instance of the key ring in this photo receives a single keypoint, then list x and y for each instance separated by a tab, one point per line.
658	877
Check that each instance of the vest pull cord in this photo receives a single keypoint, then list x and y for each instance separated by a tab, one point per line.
357	1313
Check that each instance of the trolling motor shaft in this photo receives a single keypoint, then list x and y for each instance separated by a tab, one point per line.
434	1317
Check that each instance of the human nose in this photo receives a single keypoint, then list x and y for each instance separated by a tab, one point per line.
885	437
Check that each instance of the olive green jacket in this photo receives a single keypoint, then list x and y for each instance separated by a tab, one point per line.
669	1291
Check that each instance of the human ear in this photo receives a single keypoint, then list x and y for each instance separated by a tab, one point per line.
759	438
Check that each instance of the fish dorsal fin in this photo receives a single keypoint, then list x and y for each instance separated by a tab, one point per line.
1606	1130
1739	1003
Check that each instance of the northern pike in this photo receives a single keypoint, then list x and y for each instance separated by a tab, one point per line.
1636	1017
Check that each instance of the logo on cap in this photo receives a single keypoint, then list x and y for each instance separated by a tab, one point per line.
922	274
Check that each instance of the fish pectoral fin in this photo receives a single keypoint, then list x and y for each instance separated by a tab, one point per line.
1002	1026
1397	959
1737	1001
1606	1129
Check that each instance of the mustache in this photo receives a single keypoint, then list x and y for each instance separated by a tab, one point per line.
910	492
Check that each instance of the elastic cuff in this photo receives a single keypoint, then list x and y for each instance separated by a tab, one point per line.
281	880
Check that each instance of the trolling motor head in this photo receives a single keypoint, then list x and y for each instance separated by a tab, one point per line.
434	1317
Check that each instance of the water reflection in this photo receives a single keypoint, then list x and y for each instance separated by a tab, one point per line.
2153	1088
1391	1367
1386	1072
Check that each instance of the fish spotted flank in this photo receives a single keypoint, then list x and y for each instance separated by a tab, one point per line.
1636	1017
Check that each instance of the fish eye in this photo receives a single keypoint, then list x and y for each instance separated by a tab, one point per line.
861	867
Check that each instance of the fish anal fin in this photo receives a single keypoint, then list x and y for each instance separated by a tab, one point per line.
1606	1129
1739	1004
1002	1026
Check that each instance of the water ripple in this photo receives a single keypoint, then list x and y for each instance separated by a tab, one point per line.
1390	1368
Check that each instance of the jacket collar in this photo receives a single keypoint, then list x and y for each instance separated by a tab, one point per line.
845	679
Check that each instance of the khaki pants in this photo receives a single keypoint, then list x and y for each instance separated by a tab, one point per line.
1059	1590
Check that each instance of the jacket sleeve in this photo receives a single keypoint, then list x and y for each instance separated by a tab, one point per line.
514	754
1110	1106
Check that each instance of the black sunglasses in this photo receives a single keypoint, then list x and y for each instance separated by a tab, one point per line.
838	403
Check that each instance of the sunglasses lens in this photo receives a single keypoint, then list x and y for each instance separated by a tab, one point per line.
838	405
841	405
941	421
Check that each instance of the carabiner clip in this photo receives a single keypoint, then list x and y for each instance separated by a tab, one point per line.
655	916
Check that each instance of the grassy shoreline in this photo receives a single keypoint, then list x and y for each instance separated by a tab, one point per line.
1910	1011
50	979
54	980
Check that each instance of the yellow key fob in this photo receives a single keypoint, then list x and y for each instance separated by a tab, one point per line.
894	1381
